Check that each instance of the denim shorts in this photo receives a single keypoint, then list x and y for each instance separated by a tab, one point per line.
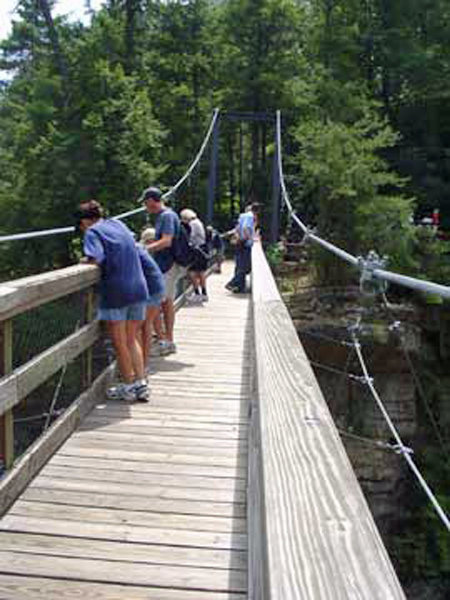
132	312
155	300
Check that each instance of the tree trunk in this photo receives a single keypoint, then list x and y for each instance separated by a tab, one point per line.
54	38
131	10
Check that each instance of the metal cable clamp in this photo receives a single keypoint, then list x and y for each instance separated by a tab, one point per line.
369	284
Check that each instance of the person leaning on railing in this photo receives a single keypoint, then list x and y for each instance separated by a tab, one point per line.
199	265
244	234
109	244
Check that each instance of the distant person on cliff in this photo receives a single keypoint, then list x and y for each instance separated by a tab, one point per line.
123	294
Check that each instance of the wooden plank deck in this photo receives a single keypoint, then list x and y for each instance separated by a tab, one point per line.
148	501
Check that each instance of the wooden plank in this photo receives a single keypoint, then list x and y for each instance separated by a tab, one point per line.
134	503
157	554
30	376
148	439
119	572
149	491
213	484
68	512
37	455
125	533
23	587
166	427
185	454
320	537
199	414
93	460
21	295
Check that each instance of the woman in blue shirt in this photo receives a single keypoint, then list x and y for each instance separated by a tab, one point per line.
123	294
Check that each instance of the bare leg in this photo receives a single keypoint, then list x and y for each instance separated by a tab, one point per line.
118	333
169	317
157	325
192	277
202	280
147	331
135	348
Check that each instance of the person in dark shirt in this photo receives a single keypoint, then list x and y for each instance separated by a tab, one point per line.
167	227
123	294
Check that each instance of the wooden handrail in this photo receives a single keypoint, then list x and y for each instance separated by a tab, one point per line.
311	533
21	295
17	297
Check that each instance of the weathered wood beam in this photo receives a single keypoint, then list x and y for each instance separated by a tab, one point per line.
316	535
7	418
21	295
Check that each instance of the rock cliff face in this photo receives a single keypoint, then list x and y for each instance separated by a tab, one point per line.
403	348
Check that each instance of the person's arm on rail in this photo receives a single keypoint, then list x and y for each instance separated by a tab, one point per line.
164	242
94	253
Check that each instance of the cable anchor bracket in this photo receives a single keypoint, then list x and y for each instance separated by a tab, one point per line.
369	284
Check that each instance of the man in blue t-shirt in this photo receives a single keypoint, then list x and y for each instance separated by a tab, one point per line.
167	227
245	231
123	294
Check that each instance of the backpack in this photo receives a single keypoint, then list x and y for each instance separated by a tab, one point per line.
182	251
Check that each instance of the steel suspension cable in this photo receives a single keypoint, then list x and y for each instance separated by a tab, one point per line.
402	449
392	277
61	230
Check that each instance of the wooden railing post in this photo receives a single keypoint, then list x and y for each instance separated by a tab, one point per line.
88	356
7	419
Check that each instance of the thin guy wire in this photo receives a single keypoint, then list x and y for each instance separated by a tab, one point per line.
321	336
60	230
378	443
55	397
57	390
419	385
401	447
351	376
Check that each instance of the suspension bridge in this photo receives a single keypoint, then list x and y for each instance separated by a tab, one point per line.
231	483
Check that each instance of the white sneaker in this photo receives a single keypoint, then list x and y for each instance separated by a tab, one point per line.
194	298
156	349
122	391
167	348
204	297
141	391
163	348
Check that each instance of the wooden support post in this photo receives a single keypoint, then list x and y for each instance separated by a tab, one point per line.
7	419
275	226
212	183
88	355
